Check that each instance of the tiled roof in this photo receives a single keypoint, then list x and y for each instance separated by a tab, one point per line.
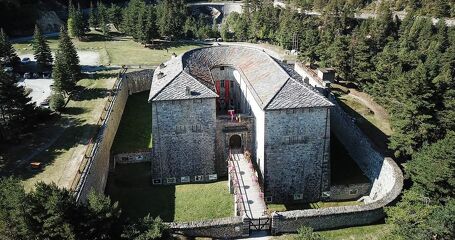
297	95
265	75
176	89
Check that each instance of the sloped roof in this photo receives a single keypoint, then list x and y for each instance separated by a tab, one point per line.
296	95
176	89
266	76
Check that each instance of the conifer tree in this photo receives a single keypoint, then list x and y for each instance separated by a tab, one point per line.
93	17
8	56
75	21
41	49
66	67
16	110
341	55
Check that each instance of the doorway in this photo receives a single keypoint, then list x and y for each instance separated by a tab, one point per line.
235	142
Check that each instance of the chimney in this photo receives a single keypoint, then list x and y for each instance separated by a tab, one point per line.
187	91
160	75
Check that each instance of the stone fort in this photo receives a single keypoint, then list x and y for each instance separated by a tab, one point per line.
210	101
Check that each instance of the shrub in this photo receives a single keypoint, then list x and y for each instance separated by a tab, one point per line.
306	233
57	102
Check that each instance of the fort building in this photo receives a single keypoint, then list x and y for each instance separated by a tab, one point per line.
210	101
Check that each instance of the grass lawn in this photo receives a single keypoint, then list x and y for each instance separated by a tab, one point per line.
118	50
63	157
131	186
371	232
288	207
135	130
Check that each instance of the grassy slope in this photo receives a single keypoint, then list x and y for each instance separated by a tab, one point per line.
134	132
71	144
118	50
130	185
371	232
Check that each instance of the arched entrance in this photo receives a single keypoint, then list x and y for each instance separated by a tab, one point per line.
235	142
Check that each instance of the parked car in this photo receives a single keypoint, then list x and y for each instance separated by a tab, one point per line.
47	74
25	60
45	103
27	75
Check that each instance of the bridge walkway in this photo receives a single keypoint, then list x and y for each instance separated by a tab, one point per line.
249	196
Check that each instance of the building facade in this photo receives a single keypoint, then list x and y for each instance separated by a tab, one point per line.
208	101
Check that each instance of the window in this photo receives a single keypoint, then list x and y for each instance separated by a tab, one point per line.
139	157
222	83
298	196
156	181
180	129
353	192
199	178
170	180
325	194
213	177
196	128
268	199
232	84
221	68
185	179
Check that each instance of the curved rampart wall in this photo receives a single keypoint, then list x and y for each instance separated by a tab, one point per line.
382	171
94	169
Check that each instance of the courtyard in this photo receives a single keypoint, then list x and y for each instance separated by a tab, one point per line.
131	185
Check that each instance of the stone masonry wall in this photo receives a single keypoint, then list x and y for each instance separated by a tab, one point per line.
225	128
349	191
297	154
133	157
93	175
184	137
223	228
383	172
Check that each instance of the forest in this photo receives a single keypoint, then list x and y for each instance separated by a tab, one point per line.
408	66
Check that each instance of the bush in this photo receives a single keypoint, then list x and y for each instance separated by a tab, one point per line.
57	102
306	233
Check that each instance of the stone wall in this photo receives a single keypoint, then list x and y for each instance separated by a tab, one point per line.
139	81
385	174
297	154
223	228
184	139
349	191
133	157
94	169
225	129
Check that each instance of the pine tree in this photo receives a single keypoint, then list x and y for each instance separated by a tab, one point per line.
75	21
41	49
103	18
66	69
341	57
8	56
13	224
16	111
93	17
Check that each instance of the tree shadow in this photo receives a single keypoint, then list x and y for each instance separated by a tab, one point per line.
344	170
161	45
74	110
84	94
67	137
99	37
378	138
131	185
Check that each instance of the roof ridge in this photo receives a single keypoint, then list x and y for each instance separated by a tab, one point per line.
167	84
276	93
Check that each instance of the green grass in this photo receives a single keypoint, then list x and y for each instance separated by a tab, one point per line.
131	186
371	232
118	50
135	129
61	159
288	207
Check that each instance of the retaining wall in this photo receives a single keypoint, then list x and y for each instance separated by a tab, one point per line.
349	191
382	171
133	157
94	169
223	228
